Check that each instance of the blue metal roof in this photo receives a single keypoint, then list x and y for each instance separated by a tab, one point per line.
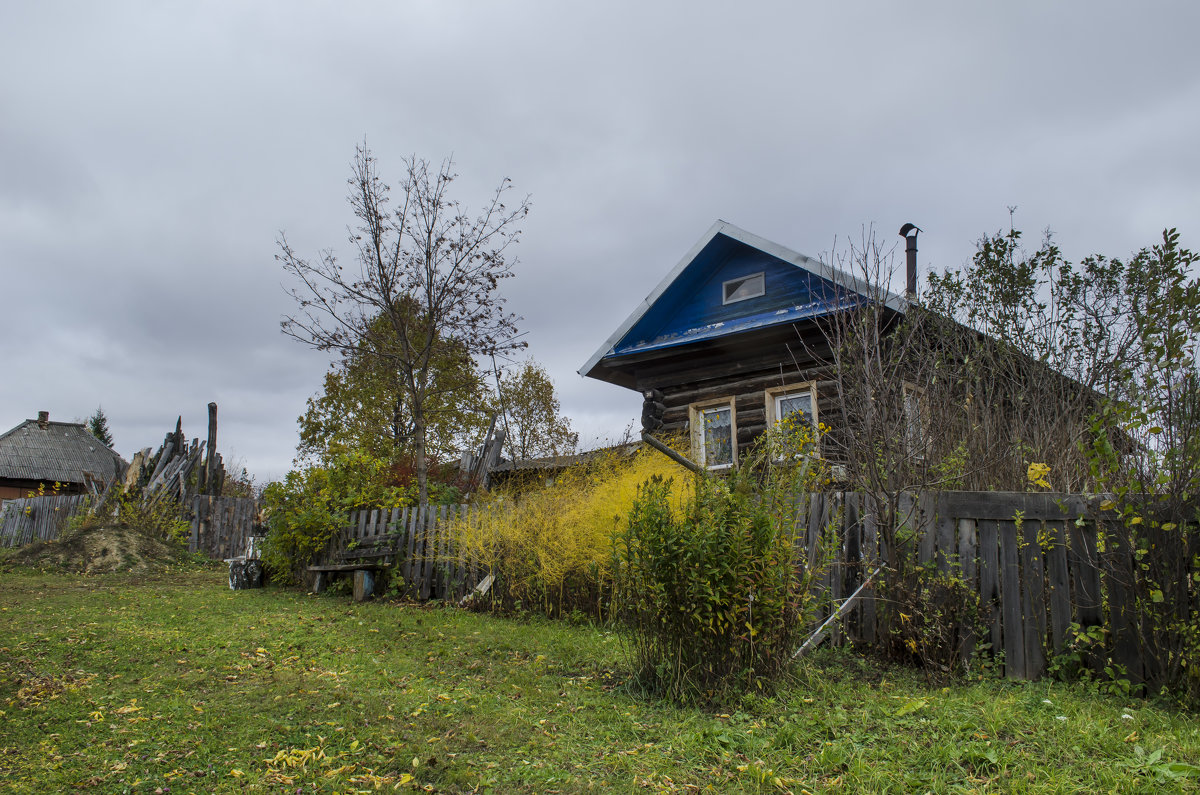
692	307
687	306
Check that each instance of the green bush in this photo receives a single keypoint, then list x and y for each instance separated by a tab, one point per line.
713	593
309	506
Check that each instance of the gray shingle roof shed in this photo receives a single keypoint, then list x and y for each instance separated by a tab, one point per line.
62	452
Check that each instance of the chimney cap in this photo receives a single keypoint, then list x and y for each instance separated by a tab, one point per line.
908	229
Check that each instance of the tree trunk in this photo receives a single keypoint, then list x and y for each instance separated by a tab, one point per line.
418	412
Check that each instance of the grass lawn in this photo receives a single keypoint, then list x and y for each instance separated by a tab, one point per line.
174	683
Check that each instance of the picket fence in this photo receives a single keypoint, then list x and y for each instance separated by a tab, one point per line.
429	561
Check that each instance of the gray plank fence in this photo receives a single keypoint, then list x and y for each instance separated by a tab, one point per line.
221	525
23	521
1035	561
1038	562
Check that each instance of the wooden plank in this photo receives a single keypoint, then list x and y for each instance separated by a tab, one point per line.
853	573
827	556
1085	574
1057	577
427	527
989	580
455	551
395	528
870	559
926	523
1010	602
435	553
968	561
946	531
410	567
1120	582
1033	600
813	535
1004	505
835	536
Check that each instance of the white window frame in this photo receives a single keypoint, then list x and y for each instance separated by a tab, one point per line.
776	394
696	413
762	290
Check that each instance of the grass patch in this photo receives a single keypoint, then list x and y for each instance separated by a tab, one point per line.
173	682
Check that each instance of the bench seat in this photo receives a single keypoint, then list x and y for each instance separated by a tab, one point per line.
370	556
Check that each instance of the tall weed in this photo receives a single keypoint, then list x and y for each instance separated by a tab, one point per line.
711	586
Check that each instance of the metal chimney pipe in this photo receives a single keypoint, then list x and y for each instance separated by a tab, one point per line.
909	233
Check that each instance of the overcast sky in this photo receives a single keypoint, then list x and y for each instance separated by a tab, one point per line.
151	153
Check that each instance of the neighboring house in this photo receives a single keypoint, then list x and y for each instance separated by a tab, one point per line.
58	457
528	472
732	338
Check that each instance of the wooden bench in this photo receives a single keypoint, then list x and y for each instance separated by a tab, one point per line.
365	560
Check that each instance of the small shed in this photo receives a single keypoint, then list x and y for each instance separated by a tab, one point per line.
57	457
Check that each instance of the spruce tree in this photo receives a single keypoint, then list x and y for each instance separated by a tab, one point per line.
97	424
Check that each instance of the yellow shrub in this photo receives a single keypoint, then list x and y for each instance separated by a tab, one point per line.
551	546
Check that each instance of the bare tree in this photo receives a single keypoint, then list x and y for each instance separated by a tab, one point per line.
426	266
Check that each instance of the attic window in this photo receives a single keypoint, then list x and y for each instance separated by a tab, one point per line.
745	287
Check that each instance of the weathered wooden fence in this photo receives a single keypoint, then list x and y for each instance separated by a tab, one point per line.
1034	560
1039	563
221	525
23	521
432	565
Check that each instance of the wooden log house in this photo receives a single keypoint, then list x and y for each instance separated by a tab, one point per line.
55	458
733	341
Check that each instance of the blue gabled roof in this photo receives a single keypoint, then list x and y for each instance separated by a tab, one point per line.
687	305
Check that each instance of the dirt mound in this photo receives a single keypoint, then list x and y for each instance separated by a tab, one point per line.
101	550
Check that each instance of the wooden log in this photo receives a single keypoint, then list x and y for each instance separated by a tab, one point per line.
364	584
211	477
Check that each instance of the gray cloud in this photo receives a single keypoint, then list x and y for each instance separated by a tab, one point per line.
150	154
